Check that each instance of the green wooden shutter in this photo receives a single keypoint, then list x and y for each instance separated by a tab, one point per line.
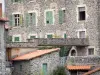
45	69
27	19
21	19
32	37
49	36
65	36
16	39
49	17
34	18
61	16
11	20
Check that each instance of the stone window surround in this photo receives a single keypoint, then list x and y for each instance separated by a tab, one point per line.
17	36
48	34
73	48
34	11
45	15
32	35
91	47
79	31
82	5
14	14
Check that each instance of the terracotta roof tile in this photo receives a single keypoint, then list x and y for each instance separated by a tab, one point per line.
35	54
92	71
4	19
78	67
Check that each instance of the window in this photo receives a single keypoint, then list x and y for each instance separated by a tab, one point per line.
91	51
16	38
82	34
61	16
82	13
49	36
16	19
32	17
49	17
32	37
73	53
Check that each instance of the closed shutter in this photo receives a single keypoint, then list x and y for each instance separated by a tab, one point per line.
49	36
65	36
61	16
32	37
49	17
27	19
34	18
16	39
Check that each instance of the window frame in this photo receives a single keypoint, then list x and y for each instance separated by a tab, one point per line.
78	33
45	16
16	36
49	34
90	48
32	35
36	15
14	19
77	10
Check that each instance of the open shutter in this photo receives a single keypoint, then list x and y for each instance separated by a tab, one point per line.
21	19
27	19
11	18
61	16
34	18
65	36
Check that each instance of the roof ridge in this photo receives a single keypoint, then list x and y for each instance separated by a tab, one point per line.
92	71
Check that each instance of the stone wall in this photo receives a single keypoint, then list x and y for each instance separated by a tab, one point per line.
34	66
2	50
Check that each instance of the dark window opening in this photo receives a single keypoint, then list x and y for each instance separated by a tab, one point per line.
47	22
82	15
73	53
91	51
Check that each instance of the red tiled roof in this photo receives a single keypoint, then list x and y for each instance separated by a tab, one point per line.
78	67
90	72
35	54
3	19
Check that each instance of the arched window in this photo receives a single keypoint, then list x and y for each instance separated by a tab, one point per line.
73	53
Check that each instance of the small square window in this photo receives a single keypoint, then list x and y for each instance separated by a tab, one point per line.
82	34
91	51
16	39
32	37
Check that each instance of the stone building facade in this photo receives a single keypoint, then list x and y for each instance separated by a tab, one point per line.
57	19
35	65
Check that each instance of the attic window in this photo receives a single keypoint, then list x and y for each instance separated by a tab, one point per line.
82	13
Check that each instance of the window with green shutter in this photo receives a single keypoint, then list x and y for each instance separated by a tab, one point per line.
32	18
61	16
16	39
49	17
32	37
27	19
50	36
